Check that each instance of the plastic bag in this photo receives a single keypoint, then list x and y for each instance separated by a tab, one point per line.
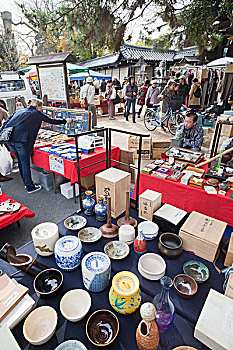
6	162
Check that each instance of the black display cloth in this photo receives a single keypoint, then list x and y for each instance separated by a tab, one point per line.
186	310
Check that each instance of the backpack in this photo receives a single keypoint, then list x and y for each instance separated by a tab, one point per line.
197	93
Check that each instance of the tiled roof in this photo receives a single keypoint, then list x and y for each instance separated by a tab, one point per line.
52	58
133	52
101	61
191	51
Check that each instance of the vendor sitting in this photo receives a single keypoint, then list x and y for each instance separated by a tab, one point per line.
192	133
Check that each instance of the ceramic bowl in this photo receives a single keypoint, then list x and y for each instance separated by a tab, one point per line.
48	283
75	304
127	234
197	270
71	345
184	347
150	229
89	234
40	325
75	222
170	245
102	327
116	249
151	266
185	286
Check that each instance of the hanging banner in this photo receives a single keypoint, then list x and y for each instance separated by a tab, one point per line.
56	164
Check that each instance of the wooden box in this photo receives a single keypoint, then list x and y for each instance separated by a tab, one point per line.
113	182
202	234
88	181
159	147
214	327
149	202
229	257
229	288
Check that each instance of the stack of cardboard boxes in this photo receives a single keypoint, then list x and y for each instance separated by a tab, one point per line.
133	145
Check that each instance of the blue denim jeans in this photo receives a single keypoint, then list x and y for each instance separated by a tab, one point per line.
23	157
129	103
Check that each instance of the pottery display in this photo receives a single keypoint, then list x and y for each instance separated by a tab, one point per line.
101	209
116	249
40	325
102	327
197	270
109	230
96	271
75	304
68	253
184	347
127	234
88	204
139	244
185	286
147	334
44	237
125	295
127	220
89	234
164	306
149	228
212	182
170	245
151	266
71	345
48	283
75	222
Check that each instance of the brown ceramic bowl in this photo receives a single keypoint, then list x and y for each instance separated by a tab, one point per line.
170	245
185	286
102	327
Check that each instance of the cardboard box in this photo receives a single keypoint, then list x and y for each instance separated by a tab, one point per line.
214	327
202	234
159	147
145	154
229	288
149	202
104	110
133	142
157	152
68	191
88	181
229	256
113	182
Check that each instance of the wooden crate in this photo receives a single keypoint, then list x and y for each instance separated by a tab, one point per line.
229	257
149	202
202	234
229	288
114	182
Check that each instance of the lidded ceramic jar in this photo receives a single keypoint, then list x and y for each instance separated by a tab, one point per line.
88	203
44	237
127	234
96	271
125	295
68	253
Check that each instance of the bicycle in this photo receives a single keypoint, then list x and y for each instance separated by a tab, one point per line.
172	118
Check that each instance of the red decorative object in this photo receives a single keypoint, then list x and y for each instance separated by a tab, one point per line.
140	245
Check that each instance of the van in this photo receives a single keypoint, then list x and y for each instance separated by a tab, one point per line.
14	84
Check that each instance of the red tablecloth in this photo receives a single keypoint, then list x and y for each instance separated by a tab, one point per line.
8	219
41	159
189	198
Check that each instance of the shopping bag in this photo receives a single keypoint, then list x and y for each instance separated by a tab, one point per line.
6	162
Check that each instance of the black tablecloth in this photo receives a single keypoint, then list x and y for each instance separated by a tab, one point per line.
186	310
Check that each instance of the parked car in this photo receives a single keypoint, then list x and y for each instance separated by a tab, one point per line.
13	84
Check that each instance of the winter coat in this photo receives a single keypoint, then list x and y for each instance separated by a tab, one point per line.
130	89
183	90
194	101
152	95
167	96
103	86
142	95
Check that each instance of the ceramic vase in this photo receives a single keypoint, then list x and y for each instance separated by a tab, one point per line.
44	237
140	245
164	306
147	334
88	204
101	209
125	295
68	253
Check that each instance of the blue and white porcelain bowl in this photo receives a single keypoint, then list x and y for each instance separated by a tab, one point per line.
68	253
96	271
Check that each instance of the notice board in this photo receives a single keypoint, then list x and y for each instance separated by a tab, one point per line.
52	82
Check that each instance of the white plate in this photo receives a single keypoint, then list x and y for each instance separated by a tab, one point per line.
89	234
116	249
150	229
75	222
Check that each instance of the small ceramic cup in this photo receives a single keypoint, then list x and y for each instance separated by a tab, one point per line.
44	237
127	234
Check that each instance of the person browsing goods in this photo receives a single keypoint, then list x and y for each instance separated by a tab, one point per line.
26	123
152	94
192	133
87	94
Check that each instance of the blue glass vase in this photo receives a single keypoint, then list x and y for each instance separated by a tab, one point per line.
88	203
101	209
164	306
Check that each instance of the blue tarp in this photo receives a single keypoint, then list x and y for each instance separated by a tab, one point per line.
93	74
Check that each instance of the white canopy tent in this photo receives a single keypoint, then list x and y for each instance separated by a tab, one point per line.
92	73
221	62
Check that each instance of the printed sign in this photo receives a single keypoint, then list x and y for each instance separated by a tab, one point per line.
56	164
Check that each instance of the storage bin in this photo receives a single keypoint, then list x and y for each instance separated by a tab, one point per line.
67	190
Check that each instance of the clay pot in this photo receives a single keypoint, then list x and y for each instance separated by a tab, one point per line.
147	334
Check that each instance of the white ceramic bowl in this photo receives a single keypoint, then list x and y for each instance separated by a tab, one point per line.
75	304
71	345
150	229
151	266
40	325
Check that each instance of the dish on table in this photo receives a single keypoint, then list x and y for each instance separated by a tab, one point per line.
48	283
151	266
75	304
185	286
71	345
149	229
197	270
89	234
116	249
75	222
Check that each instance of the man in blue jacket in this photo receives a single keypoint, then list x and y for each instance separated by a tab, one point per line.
24	134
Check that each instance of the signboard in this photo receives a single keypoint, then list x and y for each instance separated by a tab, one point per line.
56	164
52	82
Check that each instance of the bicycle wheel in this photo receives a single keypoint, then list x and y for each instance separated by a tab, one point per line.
173	123
150	120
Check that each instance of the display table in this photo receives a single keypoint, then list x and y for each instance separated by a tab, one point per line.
186	314
8	219
41	159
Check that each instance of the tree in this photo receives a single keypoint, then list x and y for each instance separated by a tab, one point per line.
9	59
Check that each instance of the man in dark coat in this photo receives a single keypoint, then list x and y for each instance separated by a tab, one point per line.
183	89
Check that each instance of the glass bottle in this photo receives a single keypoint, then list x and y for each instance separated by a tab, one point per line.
164	306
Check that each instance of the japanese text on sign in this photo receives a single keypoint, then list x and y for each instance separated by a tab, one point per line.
56	164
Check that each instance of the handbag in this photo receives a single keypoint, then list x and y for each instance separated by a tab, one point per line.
117	99
6	132
83	102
